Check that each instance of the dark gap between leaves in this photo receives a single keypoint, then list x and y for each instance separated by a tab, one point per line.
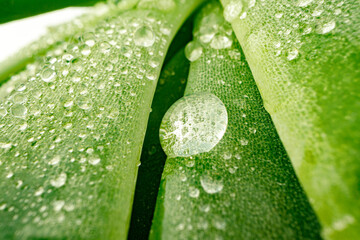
168	90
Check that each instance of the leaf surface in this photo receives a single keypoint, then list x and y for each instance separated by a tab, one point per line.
306	62
71	132
245	187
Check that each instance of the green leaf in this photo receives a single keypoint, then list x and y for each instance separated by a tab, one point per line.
14	9
71	133
306	61
245	187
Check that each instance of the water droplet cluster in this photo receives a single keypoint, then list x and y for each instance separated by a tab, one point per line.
237	9
69	126
211	31
313	17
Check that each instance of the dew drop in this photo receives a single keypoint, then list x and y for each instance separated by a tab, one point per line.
304	3
219	223
220	42
105	47
194	124
193	51
55	160
58	205
144	37
5	145
2	206
59	181
194	192
67	58
18	110
9	175
207	33
3	112
39	191
48	74
84	103
166	5
292	54
94	160
211	184
19	98
279	15
325	28
89	39
233	10
85	50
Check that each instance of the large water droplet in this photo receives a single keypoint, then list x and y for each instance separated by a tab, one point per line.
211	184
144	37
193	51
194	124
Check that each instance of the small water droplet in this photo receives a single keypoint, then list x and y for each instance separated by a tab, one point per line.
220	42
244	142
58	205
55	160
84	103
9	175
144	36
194	192
105	47
3	112
325	28
193	51
211	184
304	3
292	54
89	39
2	206
39	191
19	98
59	181
85	49
279	15
94	160
48	74
18	110
194	124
